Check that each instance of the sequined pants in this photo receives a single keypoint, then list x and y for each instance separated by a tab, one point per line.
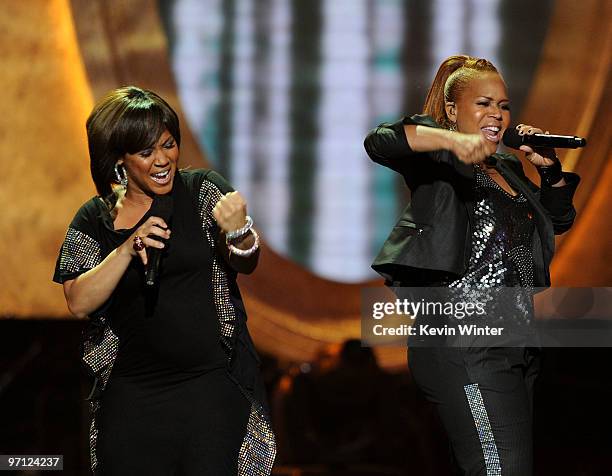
484	397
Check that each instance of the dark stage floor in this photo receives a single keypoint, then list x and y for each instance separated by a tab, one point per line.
42	411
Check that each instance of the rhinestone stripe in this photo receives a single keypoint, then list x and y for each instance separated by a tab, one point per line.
258	449
94	406
255	457
100	357
208	198
483	427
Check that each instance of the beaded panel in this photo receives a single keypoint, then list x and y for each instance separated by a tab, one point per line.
258	449
483	427
208	197
100	355
79	251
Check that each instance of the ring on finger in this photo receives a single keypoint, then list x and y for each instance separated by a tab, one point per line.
138	244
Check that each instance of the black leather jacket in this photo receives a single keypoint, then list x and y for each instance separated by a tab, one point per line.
431	242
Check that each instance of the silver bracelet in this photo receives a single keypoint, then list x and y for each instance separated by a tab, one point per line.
240	232
245	253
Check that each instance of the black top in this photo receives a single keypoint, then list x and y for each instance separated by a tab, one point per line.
501	237
501	258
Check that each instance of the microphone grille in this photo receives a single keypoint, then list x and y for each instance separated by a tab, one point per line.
512	139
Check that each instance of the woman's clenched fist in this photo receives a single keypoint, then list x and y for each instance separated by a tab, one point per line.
230	212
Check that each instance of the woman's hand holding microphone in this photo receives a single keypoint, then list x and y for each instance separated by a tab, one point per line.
544	158
540	157
144	237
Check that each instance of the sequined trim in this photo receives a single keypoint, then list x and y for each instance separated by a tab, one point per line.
93	433
99	356
258	449
254	458
208	197
79	252
483	427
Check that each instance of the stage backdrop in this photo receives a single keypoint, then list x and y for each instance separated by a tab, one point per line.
278	96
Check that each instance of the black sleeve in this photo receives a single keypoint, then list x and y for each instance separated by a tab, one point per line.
387	145
219	181
206	188
220	187
558	201
212	188
80	250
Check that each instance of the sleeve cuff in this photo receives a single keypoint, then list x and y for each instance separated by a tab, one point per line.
387	144
558	200
420	120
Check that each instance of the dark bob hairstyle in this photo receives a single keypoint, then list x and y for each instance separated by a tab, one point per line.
127	120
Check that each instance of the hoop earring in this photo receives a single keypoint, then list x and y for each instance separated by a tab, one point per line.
122	177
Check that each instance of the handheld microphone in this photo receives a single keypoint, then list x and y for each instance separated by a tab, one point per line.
513	140
162	207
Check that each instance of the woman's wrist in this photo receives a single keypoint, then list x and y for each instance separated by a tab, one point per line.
551	174
238	233
246	245
126	250
426	139
243	242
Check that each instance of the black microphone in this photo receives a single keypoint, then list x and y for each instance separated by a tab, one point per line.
162	207
513	140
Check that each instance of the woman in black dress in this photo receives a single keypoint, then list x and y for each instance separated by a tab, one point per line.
177	389
475	224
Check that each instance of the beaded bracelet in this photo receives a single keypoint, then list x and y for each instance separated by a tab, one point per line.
245	253
551	174
240	232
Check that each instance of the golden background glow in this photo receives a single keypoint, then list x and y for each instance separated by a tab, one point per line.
58	56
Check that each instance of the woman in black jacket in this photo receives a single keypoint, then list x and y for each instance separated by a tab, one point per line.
475	222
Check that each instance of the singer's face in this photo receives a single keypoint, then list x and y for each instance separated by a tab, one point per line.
483	107
151	171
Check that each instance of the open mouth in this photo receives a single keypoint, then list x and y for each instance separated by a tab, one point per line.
492	133
162	178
